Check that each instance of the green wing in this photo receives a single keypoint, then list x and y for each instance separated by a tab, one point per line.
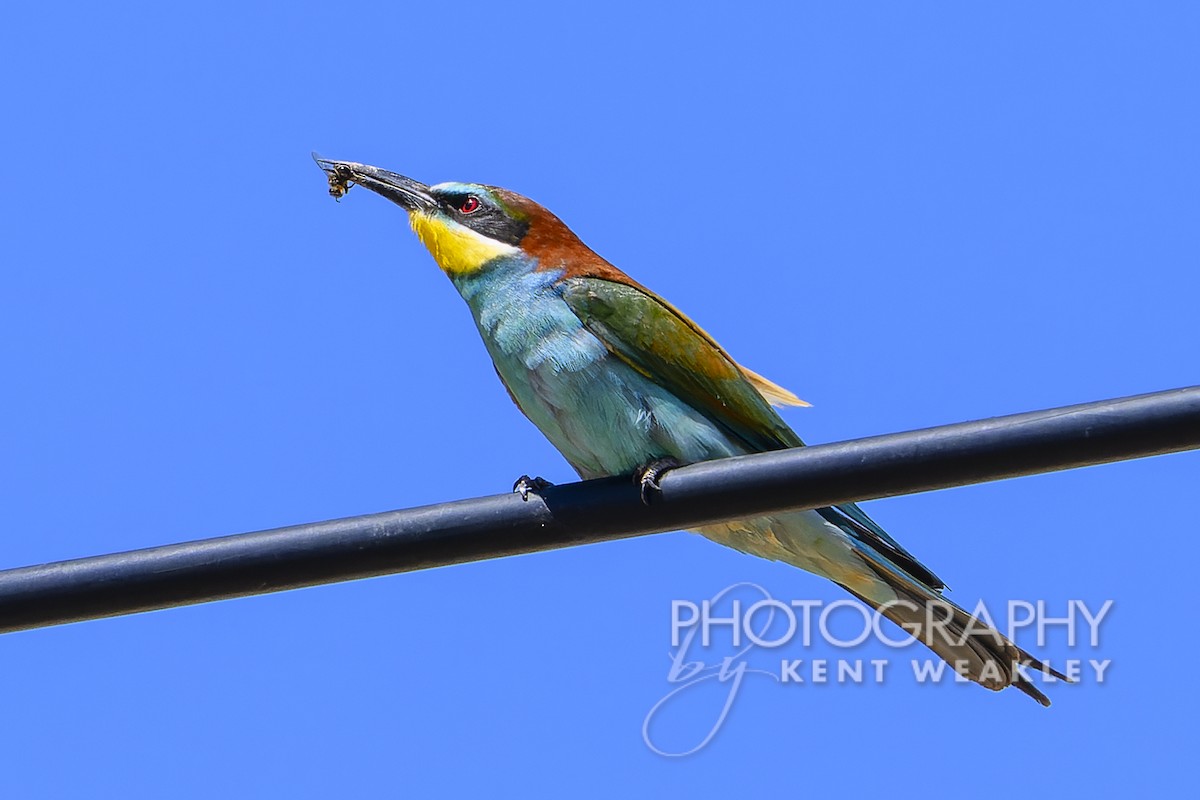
658	341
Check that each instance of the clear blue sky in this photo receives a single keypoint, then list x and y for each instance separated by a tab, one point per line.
909	213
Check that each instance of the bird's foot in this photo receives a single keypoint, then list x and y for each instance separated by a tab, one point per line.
648	476
526	484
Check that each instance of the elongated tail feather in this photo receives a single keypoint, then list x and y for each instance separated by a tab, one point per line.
978	651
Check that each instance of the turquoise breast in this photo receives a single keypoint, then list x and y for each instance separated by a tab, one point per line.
603	416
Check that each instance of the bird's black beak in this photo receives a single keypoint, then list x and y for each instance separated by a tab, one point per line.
405	192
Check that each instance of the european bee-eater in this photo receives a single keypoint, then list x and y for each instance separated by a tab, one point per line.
622	383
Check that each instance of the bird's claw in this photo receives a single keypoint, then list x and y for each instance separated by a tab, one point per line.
647	478
526	484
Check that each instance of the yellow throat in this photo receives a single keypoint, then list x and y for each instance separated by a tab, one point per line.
458	250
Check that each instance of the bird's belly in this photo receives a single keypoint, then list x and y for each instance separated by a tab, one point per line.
608	419
603	416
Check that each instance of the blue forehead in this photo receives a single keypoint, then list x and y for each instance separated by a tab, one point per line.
486	194
453	187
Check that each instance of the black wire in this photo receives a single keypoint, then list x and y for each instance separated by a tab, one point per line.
601	510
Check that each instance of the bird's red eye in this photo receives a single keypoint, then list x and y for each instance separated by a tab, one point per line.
469	205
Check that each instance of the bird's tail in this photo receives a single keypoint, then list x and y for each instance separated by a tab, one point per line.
974	649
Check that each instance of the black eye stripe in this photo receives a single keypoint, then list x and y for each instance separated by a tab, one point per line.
486	218
452	202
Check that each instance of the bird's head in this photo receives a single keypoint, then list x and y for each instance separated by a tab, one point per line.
467	226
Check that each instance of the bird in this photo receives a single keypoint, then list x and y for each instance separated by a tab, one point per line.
623	383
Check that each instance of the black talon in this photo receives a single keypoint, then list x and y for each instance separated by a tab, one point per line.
647	478
526	484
